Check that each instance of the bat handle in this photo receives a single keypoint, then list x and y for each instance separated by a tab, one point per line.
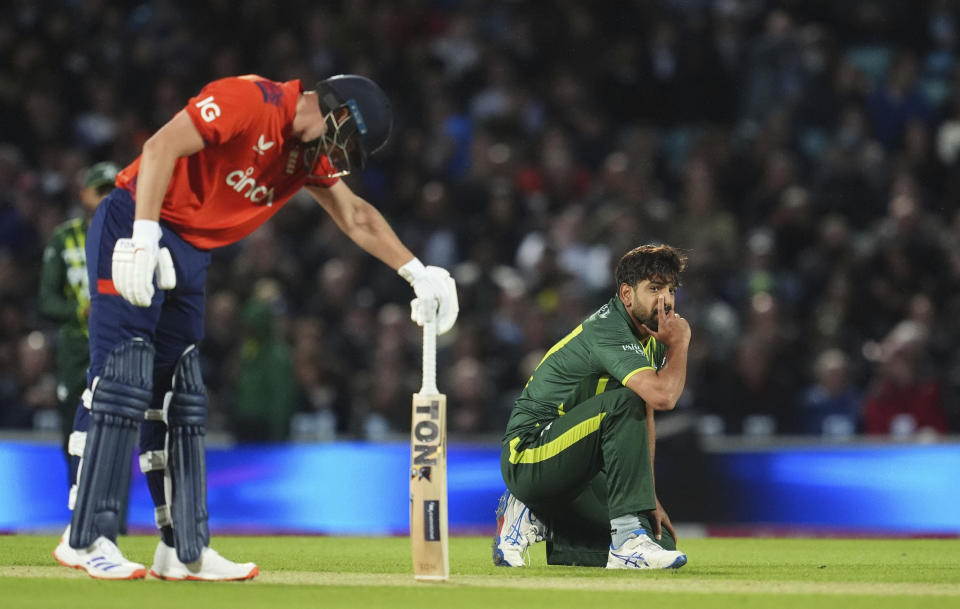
429	358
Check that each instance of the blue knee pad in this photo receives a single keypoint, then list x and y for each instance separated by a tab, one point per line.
120	398
186	463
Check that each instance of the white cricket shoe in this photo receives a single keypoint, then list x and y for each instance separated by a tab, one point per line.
210	568
641	552
517	529
101	560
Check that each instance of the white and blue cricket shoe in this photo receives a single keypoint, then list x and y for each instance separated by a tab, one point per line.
517	529
641	552
102	560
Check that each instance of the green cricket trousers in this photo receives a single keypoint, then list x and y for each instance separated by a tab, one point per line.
585	468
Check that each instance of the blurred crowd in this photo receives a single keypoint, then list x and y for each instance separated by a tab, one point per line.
804	154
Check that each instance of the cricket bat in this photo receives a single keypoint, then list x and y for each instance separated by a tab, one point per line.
428	471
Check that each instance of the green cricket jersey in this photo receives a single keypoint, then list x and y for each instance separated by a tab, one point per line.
65	297
64	289
599	355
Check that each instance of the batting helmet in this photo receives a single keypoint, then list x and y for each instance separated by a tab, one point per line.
359	119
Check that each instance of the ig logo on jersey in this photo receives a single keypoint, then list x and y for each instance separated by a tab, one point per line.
208	110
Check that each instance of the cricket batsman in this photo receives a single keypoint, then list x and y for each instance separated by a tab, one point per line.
216	171
577	457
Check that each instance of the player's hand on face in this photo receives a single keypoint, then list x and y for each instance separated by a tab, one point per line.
672	330
436	295
135	262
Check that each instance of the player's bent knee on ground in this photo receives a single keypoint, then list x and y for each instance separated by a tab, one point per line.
120	397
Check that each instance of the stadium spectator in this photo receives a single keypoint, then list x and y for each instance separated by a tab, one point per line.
904	398
896	101
749	397
831	406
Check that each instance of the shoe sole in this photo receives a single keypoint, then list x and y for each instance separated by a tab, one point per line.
137	574
193	578
678	562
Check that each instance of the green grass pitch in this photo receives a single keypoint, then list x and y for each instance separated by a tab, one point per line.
323	572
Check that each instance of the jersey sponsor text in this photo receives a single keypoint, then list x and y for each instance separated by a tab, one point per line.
241	180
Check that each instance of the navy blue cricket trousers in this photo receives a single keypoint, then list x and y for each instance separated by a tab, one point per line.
173	321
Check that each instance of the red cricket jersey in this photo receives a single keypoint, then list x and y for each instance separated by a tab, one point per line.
249	167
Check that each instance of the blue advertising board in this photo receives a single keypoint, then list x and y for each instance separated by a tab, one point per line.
362	489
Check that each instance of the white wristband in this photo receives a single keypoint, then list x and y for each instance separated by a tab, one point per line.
146	230
412	270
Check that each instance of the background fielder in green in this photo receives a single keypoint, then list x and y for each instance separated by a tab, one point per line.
65	295
577	456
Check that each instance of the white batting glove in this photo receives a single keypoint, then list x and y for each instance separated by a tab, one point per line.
136	260
436	294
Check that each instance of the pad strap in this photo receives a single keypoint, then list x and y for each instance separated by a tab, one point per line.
153	460
76	443
161	514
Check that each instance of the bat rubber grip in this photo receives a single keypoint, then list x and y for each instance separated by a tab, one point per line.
429	358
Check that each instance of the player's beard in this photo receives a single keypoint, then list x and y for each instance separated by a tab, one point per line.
639	322
653	321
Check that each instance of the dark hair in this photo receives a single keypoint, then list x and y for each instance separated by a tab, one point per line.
650	262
